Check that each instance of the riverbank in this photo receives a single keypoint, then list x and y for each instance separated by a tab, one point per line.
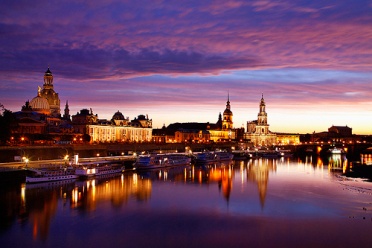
15	153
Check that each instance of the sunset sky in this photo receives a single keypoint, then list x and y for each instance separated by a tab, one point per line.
177	61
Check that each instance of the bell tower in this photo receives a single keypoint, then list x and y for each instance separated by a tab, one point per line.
262	115
67	116
227	122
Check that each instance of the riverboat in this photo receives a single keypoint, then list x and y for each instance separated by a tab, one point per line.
50	174
271	154
336	150
154	161
97	169
213	157
242	155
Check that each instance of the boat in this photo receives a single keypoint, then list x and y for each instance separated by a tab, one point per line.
50	174
97	169
213	157
336	150
271	154
242	155
154	161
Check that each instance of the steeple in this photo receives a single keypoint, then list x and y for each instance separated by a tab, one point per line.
228	101
227	122
66	116
262	105
262	115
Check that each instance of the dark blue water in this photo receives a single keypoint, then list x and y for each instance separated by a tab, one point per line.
256	203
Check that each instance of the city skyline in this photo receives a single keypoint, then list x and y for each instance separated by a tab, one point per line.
178	61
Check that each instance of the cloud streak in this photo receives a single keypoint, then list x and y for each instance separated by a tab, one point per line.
171	53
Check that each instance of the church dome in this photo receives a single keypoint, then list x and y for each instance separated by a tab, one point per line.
118	116
40	104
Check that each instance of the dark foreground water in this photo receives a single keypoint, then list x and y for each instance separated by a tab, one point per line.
256	203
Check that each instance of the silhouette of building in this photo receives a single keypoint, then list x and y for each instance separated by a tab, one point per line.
40	118
342	131
199	132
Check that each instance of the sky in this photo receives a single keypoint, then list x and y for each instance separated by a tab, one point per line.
178	61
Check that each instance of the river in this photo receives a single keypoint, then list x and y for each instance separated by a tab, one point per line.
256	203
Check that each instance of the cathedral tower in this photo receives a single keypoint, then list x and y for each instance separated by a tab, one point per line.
258	130
262	115
67	116
227	122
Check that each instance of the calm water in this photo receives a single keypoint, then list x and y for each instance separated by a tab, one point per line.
256	203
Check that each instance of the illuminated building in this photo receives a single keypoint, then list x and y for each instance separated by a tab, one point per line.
227	122
40	120
258	130
41	115
287	138
222	130
192	135
119	129
48	93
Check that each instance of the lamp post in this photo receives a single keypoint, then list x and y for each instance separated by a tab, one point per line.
66	156
26	161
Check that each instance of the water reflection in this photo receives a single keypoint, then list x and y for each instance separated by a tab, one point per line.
337	162
258	172
38	205
86	195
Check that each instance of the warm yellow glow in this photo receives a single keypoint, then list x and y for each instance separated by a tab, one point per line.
165	175
23	194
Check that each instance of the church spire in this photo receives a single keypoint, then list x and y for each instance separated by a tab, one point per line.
66	116
228	101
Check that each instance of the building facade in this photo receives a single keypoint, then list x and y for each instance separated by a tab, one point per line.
258	130
119	129
40	118
287	138
198	136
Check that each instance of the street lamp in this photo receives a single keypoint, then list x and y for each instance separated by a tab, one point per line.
66	159
26	161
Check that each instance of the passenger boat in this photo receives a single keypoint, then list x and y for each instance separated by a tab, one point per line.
155	161
97	169
271	154
213	157
50	174
242	155
336	150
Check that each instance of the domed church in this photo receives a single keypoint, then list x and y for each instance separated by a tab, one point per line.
40	104
50	95
42	115
47	100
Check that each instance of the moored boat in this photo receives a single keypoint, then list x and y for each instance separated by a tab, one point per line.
49	174
94	169
336	150
213	157
155	161
271	154
242	155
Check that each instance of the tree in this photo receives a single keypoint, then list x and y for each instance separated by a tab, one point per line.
7	121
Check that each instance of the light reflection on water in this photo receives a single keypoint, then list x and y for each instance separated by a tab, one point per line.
135	208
